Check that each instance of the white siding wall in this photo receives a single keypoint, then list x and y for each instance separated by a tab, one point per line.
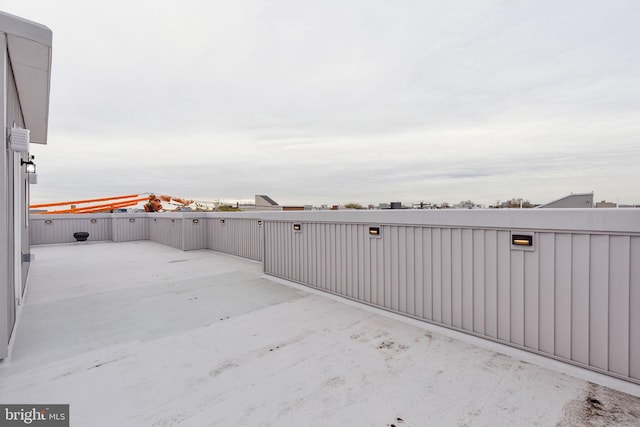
7	296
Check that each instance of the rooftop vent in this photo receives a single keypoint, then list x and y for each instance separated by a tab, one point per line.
19	140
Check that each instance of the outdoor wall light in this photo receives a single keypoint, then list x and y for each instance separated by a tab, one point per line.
297	227
521	240
93	221
195	221
259	222
31	166
48	221
132	220
374	231
222	221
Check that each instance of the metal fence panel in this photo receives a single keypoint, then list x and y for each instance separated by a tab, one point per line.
573	295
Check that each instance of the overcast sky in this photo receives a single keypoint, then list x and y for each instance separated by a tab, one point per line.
341	101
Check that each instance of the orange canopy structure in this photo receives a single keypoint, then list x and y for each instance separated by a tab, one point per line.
115	202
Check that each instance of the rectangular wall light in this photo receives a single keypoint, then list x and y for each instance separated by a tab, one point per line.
374	231
296	227
521	240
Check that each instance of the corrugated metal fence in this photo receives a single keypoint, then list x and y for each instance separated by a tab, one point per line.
237	236
573	294
571	291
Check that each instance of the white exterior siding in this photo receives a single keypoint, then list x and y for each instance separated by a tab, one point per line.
24	90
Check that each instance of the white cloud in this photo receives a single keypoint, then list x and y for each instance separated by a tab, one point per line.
339	101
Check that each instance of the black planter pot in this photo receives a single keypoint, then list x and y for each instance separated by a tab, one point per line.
81	236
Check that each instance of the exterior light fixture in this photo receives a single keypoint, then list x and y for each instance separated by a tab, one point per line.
93	221
259	222
132	220
48	221
374	231
31	166
222	221
195	221
521	240
297	227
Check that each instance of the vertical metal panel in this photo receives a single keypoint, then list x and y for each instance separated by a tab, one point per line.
402	269
563	296
531	299
286	248
634	304
125	230
331	247
436	265
456	277
427	273
599	302
301	265
367	277
580	298
467	279
491	283
410	276
478	281
446	275
619	304
308	260
322	235
339	247
393	262
379	248
386	259
419	271
360	237
375	265
296	238
349	261
504	285
517	297
546	246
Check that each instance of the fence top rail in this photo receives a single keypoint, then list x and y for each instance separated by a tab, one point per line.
583	220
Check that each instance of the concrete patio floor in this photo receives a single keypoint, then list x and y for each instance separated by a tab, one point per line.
140	334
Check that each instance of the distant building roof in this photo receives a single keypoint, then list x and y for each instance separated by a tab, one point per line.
264	198
574	200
